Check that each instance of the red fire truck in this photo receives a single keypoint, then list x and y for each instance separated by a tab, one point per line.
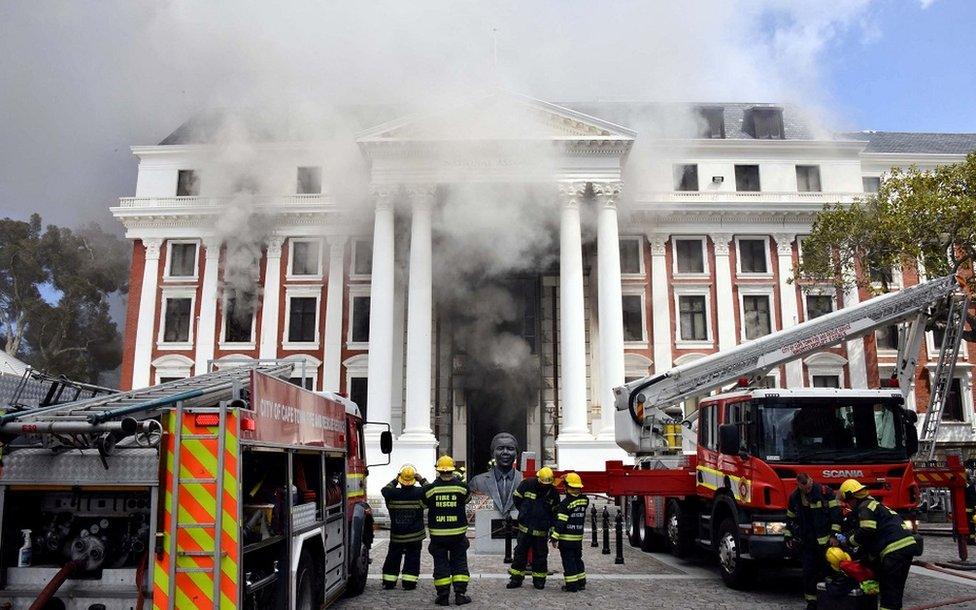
231	489
727	492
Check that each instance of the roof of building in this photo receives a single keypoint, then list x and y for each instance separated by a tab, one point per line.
915	142
10	365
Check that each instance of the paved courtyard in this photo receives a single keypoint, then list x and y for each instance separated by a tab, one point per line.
648	580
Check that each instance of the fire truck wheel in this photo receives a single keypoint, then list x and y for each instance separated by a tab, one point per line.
636	514
307	592
358	571
679	530
736	572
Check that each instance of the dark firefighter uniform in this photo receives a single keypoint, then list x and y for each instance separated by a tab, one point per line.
447	524
407	531
568	534
881	532
536	501
810	520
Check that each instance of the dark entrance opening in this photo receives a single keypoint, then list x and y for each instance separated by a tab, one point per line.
488	414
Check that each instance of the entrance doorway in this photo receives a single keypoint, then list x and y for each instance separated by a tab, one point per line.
488	414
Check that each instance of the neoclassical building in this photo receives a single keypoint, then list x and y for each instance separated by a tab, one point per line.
665	232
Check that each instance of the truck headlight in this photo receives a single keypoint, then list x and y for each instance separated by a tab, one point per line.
768	528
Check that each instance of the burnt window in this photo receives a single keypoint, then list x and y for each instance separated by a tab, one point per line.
692	320
187	183
765	123
305	257
808	178
712	122
747	178
362	252
686	177
301	319
176	324
309	181
360	319
633	317
630	256
238	319
755	315
953	409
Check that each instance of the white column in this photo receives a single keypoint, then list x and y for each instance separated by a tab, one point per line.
787	301
574	434
147	314
856	362
610	305
660	302
207	326
380	371
725	304
332	352
270	335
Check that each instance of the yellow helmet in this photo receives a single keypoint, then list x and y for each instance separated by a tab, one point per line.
445	463
851	487
835	555
408	475
573	480
545	475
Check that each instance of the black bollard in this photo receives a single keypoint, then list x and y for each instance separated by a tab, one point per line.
508	539
606	531
593	528
619	559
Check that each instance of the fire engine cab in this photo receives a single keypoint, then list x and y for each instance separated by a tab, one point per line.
231	489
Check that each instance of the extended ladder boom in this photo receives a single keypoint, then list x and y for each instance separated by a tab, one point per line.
640	403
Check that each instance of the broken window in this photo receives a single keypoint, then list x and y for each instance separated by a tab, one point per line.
176	324
747	177
239	319
309	181
712	122
765	123
633	317
686	177
187	183
808	178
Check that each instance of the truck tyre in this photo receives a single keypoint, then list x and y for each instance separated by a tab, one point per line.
736	571
358	569
308	594
635	515
679	530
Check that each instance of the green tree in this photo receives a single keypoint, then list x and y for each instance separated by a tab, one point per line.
55	291
920	219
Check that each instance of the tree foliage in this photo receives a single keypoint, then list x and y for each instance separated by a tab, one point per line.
55	291
918	219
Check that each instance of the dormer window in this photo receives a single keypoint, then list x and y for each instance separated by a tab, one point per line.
187	183
309	181
712	123
765	123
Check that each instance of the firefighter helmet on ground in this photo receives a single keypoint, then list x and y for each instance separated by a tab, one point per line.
573	480
545	475
852	488
835	555
408	475
445	463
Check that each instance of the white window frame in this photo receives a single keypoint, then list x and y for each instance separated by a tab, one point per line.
883	351
706	272
355	367
757	290
291	275
187	292
241	345
298	168
232	360
878	176
799	246
738	256
169	259
355	290
676	179
358	242
302	292
640	256
825	364
312	365
637	365
818	291
933	348
692	291
964	374
171	365
637	291
796	168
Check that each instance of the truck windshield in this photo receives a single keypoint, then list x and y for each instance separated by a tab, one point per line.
831	430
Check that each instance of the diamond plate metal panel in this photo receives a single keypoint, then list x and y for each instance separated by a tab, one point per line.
42	467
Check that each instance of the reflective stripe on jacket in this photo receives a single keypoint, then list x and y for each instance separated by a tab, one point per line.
813	518
535	503
570	520
445	502
406	511
880	530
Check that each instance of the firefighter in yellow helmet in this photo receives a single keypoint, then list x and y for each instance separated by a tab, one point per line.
447	523
404	500
536	500
567	533
881	532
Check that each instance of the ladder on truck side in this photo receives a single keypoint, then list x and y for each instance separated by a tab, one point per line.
941	383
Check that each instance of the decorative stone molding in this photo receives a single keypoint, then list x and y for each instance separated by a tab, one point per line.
721	241
607	193
658	243
274	246
212	245
152	245
571	193
383	195
421	195
336	242
784	243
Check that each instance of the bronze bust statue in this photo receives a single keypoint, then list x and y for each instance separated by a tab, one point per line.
501	481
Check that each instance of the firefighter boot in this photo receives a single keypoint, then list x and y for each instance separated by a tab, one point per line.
811	605
569	588
514	583
409	586
443	598
460	599
389	584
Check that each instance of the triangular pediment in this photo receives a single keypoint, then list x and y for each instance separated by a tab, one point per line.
498	116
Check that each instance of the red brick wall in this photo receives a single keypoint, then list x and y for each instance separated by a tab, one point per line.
132	313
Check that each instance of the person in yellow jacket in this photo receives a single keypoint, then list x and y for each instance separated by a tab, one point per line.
447	523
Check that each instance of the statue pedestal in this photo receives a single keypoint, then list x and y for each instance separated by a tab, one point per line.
489	532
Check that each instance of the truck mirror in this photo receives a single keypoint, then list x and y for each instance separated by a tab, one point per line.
911	439
386	442
728	439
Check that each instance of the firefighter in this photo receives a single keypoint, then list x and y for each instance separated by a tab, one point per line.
567	533
447	523
970	497
404	499
812	514
882	533
535	499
